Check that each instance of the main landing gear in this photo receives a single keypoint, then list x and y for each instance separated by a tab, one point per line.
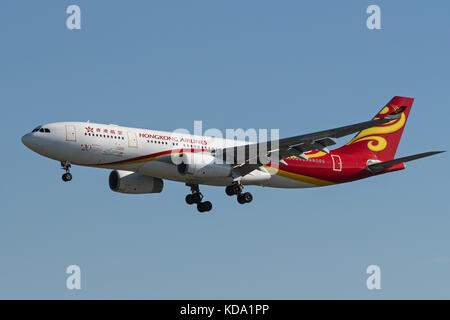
65	165
196	197
236	189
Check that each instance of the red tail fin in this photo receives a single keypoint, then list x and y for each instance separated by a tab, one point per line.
382	141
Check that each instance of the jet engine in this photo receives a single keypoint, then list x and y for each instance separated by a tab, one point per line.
202	165
133	182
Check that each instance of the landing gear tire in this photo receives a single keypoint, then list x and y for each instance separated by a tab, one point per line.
204	206
194	198
229	191
67	177
197	197
244	197
247	197
189	199
233	189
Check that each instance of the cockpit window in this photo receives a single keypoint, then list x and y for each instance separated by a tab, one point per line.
40	129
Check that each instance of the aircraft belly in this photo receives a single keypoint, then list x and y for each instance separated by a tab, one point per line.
277	181
169	171
159	169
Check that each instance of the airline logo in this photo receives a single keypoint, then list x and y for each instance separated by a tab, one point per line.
375	142
103	130
171	138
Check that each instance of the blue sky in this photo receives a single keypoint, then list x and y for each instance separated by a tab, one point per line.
300	66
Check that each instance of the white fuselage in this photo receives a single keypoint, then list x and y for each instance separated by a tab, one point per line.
148	152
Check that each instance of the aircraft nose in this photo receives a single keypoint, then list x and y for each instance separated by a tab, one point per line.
35	143
26	140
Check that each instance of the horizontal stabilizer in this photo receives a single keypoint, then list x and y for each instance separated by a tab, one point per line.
381	166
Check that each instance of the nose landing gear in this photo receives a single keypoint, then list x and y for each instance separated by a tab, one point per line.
196	197
236	189
67	177
65	165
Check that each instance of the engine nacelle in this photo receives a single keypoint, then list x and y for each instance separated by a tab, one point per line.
203	165
133	182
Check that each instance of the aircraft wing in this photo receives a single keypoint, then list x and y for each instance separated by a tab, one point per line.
258	153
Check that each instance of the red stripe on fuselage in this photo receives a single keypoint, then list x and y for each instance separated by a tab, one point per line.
153	155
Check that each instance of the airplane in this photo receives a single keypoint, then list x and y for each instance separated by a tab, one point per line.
142	159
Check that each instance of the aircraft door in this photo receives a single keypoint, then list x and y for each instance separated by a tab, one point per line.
71	133
132	139
337	163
